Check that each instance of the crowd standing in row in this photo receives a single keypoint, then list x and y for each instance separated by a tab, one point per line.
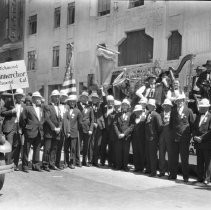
103	128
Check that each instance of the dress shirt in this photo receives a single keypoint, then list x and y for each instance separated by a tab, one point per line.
37	110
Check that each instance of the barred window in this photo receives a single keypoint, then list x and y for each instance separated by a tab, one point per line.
56	56
135	3
33	24
104	7
31	60
71	13
68	54
174	45
57	15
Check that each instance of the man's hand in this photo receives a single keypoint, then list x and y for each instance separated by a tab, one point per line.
95	125
68	135
90	132
121	135
57	130
14	110
198	139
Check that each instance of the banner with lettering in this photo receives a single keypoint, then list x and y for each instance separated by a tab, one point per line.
13	75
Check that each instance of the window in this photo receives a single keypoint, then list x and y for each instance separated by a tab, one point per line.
57	14
174	46
135	3
68	54
56	56
71	13
31	60
135	49
104	7
33	24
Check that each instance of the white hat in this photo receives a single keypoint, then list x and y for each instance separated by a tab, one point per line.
72	98
36	94
180	97
204	103
151	101
139	92
85	93
110	98
126	101
117	103
19	91
167	102
63	93
55	93
138	107
143	100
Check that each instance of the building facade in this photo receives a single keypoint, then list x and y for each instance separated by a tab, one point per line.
142	31
11	30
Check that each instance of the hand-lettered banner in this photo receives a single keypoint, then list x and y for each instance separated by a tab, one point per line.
13	75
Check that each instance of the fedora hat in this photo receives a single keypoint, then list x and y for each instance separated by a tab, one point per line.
138	107
204	103
117	103
63	93
126	101
6	94
208	63
180	97
55	93
110	98
143	100
94	95
85	93
167	102
151	102
36	94
19	91
151	76
200	68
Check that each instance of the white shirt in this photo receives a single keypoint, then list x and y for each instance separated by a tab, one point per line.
37	110
18	112
203	118
57	110
180	110
62	109
166	116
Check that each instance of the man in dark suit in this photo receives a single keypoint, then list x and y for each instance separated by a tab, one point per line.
204	81
123	129
87	125
99	125
52	128
108	114
181	125
71	123
31	122
202	138
152	132
9	128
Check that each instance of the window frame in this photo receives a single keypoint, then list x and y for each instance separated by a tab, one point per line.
57	14
56	52
31	60
135	3
103	8
32	24
71	13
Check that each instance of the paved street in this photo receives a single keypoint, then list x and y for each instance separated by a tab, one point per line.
92	188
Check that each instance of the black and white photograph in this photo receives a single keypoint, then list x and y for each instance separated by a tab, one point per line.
105	105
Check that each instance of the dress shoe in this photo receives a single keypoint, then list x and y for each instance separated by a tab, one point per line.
25	170
85	164
71	166
206	182
79	165
47	169
53	167
185	180
147	172
161	174
37	169
126	169
170	177
152	175
16	168
96	165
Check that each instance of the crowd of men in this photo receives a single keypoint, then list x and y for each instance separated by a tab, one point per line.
102	128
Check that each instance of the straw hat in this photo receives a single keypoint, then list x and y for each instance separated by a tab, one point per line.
167	102
63	93
180	97
126	101
151	102
85	93
110	98
143	100
138	108
19	91
36	94
204	103
72	98
94	95
55	93
117	103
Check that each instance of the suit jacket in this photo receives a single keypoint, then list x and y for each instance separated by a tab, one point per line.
181	125
153	126
203	131
30	123
98	117
123	126
8	124
87	118
72	123
52	121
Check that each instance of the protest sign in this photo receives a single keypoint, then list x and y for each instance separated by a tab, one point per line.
13	75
